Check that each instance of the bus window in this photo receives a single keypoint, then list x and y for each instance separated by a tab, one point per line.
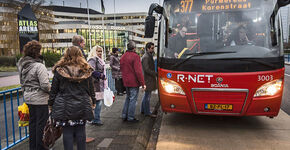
211	29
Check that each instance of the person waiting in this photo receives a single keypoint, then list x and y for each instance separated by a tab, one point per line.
116	72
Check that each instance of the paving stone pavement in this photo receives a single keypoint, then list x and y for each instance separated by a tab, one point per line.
115	133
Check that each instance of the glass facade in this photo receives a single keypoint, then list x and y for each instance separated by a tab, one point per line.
9	36
9	43
56	30
112	38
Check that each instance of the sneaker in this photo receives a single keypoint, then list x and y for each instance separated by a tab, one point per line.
98	124
120	94
133	121
151	115
89	139
124	119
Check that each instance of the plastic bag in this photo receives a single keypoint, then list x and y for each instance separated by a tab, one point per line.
109	97
23	113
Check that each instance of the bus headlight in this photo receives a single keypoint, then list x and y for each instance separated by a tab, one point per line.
269	89
171	87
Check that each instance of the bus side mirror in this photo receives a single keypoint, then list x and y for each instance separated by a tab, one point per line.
282	3
149	26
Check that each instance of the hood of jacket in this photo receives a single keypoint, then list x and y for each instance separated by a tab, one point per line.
74	73
25	64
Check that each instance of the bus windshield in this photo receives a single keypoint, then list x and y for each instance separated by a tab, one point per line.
221	29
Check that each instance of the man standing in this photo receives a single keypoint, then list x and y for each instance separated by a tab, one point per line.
80	42
131	70
150	78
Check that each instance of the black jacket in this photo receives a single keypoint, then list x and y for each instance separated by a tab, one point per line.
72	94
176	44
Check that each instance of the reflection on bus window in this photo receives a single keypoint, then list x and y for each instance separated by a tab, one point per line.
215	29
239	37
177	42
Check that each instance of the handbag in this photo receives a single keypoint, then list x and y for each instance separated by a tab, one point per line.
50	133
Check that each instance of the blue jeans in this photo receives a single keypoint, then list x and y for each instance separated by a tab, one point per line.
98	109
130	103
145	106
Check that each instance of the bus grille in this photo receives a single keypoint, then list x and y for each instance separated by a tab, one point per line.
203	97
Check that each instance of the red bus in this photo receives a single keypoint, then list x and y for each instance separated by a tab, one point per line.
219	57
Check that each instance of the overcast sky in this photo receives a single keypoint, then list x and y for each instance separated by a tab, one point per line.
122	6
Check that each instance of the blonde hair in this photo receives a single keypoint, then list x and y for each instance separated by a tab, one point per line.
93	52
72	57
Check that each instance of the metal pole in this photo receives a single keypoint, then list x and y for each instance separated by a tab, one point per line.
12	117
89	24
103	24
115	35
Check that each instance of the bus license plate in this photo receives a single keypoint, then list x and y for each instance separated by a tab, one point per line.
218	107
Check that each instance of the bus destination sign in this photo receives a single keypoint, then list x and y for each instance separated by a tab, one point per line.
187	6
213	5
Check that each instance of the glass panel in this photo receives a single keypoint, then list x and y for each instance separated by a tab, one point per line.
231	29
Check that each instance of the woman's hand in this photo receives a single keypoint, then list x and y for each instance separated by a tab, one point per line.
94	106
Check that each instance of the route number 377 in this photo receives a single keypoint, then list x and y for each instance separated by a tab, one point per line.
265	77
186	5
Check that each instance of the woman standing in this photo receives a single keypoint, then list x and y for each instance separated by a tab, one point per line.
95	59
71	98
35	84
116	73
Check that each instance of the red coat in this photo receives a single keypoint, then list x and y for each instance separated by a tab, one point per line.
131	69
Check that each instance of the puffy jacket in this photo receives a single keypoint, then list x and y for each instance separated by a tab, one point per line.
72	94
131	69
34	80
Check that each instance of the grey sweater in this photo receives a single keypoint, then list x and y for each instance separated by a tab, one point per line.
34	81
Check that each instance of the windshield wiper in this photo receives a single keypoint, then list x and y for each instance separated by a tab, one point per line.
209	53
253	60
199	54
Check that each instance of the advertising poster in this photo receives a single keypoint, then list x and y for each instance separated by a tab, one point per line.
27	26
